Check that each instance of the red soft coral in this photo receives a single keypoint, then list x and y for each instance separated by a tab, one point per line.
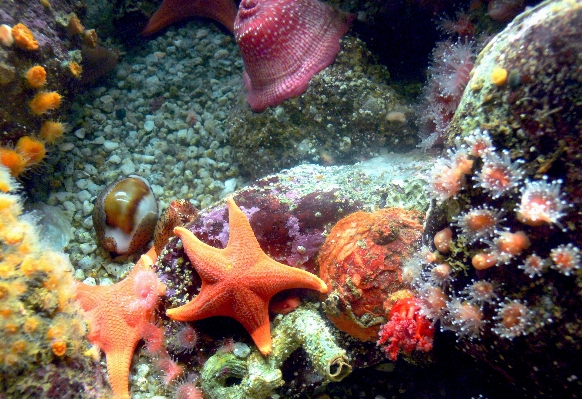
406	329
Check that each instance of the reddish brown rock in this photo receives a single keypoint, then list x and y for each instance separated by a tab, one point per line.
361	263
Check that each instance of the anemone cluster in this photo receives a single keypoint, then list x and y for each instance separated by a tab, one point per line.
499	237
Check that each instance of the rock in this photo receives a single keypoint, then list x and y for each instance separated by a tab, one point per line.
529	325
346	102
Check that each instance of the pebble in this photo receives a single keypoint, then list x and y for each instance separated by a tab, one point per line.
149	126
90	281
90	169
63	196
69	206
93	188
110	145
152	80
87	208
157	190
82	183
86	263
221	54
66	147
87	248
83	195
79	274
127	167
241	350
80	133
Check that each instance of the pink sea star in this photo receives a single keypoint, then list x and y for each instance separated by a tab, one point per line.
283	44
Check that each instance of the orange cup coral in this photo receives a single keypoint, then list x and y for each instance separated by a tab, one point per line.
51	131
33	151
75	69
24	38
12	160
36	76
75	26
45	101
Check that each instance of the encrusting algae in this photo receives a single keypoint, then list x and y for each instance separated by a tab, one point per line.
259	375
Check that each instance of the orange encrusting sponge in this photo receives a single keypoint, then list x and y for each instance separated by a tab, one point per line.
45	101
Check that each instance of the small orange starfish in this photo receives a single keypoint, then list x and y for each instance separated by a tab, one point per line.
222	11
120	315
239	280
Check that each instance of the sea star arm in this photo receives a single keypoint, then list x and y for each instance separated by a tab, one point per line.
209	302
208	261
117	314
222	11
243	247
279	278
118	362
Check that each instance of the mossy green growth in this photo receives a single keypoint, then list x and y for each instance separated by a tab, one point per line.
258	376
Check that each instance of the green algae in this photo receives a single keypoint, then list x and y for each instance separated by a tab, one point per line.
226	376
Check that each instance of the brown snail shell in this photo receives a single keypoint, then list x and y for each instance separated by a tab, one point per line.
125	215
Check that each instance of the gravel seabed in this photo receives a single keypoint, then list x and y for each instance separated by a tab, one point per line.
160	115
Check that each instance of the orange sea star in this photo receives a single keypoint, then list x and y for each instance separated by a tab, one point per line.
171	11
239	280
120	315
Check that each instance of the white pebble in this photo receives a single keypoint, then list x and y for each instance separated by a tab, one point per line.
82	184
229	186
88	222
83	195
65	147
157	190
87	248
87	208
79	274
93	188
69	206
110	145
90	169
128	167
148	158
86	264
63	196
148	126
80	133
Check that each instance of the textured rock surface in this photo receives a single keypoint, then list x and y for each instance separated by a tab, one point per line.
57	47
348	113
536	113
535	116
